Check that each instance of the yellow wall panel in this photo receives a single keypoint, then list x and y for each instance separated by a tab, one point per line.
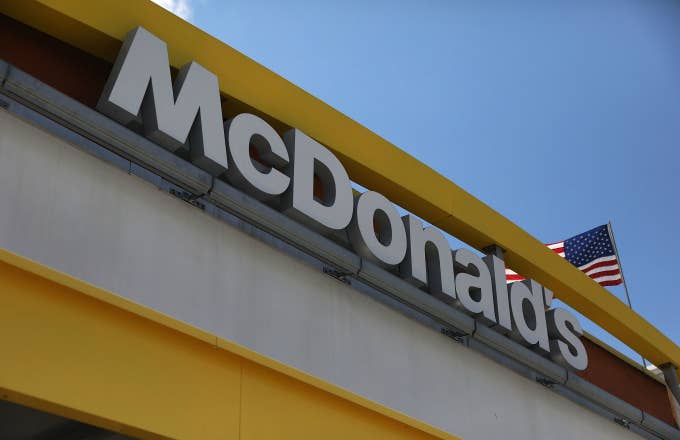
112	366
275	408
77	351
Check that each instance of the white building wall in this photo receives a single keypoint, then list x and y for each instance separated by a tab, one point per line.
73	212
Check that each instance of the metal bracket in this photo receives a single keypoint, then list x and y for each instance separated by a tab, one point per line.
546	382
670	375
453	334
187	197
495	250
623	422
343	277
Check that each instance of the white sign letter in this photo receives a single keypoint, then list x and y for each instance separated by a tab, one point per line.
428	260
139	91
528	313
500	289
331	211
473	284
387	245
566	346
260	179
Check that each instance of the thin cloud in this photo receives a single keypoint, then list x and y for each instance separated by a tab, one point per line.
181	8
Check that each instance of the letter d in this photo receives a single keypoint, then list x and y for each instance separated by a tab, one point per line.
333	209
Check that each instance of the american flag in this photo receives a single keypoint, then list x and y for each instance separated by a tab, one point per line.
592	252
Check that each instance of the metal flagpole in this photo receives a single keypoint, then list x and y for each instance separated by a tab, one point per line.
618	259
623	277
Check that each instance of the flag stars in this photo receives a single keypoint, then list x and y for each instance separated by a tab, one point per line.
589	246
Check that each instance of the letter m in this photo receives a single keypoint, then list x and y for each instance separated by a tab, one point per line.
187	115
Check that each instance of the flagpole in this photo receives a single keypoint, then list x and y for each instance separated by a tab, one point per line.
623	277
618	258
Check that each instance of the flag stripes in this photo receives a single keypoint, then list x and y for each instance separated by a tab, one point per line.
592	252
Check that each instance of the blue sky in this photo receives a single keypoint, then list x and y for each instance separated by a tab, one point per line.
559	115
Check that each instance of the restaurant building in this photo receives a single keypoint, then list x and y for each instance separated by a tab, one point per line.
183	255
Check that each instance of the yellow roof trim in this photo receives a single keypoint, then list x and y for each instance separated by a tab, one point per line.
99	27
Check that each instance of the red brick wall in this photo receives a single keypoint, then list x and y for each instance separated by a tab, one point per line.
626	382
